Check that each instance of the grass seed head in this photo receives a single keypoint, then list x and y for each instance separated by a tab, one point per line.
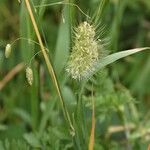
84	53
8	50
29	75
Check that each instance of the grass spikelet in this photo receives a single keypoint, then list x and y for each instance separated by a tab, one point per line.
29	75
84	54
8	50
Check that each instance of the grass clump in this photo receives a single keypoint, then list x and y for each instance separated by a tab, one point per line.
97	110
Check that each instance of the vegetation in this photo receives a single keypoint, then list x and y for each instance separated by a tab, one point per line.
60	85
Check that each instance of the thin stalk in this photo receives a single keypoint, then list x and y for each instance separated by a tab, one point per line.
92	135
98	14
28	40
49	65
35	99
62	3
122	116
80	118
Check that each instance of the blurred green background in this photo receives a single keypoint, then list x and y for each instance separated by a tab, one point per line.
31	117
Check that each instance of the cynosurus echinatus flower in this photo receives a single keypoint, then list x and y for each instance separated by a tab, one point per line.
84	55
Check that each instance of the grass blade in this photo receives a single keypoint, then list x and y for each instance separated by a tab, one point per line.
62	47
116	56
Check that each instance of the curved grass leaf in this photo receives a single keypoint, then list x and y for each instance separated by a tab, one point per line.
116	56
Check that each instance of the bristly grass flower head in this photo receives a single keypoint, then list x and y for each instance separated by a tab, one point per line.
85	52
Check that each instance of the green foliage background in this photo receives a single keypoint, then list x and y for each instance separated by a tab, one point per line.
31	117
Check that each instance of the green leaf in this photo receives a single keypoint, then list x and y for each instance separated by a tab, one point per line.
100	9
3	127
1	146
42	9
26	31
116	56
32	140
23	115
63	42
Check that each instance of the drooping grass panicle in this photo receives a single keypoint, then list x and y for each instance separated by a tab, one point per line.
8	49
29	75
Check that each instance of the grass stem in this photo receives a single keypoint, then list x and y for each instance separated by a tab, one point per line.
49	65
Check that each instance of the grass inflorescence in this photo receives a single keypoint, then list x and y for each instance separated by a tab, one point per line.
85	52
